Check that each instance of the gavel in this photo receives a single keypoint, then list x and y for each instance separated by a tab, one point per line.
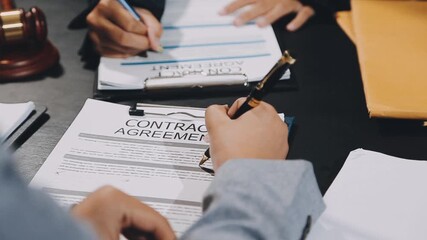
17	26
24	47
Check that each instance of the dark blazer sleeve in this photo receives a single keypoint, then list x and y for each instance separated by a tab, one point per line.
156	7
327	7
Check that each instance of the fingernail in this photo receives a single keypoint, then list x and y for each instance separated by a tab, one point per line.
222	12
238	22
262	22
159	47
206	138
291	27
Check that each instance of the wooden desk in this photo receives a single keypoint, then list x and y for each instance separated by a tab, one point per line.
329	106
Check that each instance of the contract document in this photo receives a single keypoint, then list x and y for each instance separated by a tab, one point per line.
201	49
153	158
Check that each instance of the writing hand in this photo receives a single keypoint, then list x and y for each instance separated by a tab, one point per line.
258	133
268	11
112	212
116	33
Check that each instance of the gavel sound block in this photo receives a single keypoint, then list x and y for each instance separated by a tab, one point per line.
24	48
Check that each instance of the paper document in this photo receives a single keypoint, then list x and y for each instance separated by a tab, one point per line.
12	115
201	48
154	158
375	196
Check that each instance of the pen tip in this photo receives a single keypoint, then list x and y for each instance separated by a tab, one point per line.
203	160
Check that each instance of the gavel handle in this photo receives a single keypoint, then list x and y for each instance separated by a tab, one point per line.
7	5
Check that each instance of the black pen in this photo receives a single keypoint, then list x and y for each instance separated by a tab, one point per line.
260	90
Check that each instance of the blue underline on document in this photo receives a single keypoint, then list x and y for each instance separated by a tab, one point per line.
202	26
212	44
194	60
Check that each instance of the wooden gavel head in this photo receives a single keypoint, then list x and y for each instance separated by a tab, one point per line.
18	26
25	50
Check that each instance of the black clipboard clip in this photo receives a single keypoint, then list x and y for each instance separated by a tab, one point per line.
137	109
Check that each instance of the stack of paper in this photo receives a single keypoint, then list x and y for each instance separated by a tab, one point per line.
201	48
374	197
12	116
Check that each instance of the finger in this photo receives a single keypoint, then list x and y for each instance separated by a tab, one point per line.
108	30
106	43
119	37
118	48
95	38
154	29
206	138
149	222
302	16
215	116
250	14
272	15
118	15
106	52
135	234
232	7
108	49
264	109
265	112
236	106
141	218
102	50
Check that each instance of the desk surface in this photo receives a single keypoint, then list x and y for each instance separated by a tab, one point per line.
329	106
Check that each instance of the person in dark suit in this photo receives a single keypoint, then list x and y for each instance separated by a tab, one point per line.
115	33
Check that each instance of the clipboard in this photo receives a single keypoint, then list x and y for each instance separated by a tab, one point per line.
24	131
196	91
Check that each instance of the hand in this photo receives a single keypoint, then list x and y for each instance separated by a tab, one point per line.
112	212
268	11
116	33
258	133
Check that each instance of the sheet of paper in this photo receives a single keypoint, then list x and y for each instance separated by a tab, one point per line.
12	115
375	196
199	46
154	158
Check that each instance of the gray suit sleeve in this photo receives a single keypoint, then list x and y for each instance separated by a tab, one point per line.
254	199
30	214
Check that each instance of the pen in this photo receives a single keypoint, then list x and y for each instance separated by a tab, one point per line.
131	10
157	47
260	90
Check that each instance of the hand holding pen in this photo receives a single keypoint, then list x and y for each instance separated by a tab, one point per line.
258	92
258	134
119	30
